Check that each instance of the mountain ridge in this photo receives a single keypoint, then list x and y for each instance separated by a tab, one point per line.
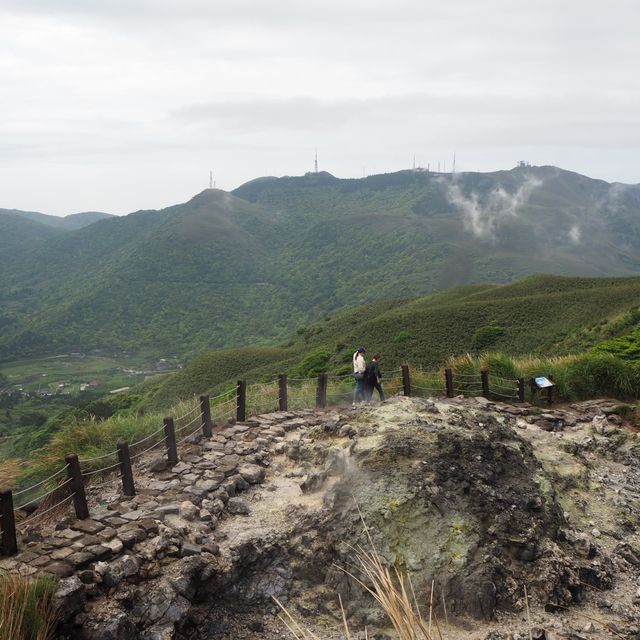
249	266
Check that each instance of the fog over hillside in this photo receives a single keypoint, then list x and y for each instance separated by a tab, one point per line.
250	266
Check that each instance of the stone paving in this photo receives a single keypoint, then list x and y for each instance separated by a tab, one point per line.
174	513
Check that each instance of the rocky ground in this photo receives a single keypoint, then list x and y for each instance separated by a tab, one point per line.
471	500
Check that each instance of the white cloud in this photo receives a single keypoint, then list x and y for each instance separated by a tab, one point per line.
483	214
575	234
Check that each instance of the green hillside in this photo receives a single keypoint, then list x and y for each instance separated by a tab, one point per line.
248	268
541	315
69	223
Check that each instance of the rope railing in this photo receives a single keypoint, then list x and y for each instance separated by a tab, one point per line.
417	386
256	385
282	393
41	482
222	395
151	448
102	470
502	395
186	415
185	426
104	483
36	515
188	435
503	387
40	498
223	404
100	457
146	438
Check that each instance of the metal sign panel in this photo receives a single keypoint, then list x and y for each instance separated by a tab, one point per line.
543	383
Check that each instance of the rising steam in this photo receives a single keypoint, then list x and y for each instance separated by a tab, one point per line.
483	214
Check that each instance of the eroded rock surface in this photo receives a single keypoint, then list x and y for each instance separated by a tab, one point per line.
467	497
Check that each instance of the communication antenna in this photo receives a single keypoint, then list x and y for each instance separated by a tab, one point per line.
210	179
414	162
315	164
453	167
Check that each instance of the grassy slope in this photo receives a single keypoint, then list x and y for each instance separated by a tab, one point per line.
221	270
545	315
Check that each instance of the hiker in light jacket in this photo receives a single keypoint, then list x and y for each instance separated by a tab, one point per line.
359	367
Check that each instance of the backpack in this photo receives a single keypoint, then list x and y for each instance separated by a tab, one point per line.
370	374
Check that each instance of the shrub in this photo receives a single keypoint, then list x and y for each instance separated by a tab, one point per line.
311	365
486	336
602	374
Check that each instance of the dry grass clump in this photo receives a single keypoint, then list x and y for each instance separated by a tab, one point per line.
26	611
390	589
9	472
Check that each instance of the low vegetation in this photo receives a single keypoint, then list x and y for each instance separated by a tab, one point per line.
576	377
26	611
560	327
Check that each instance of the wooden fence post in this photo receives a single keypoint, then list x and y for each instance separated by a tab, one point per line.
484	378
282	395
406	380
8	540
241	401
448	382
170	440
205	410
521	389
76	486
550	393
321	391
128	486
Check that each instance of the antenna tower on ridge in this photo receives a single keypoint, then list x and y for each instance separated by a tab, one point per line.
315	164
453	168
210	179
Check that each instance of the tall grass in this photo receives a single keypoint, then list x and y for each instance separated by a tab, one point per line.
425	383
577	377
26	611
394	594
10	471
95	438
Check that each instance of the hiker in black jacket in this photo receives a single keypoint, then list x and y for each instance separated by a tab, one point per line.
373	379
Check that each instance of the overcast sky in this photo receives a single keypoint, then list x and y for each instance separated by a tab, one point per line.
119	105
